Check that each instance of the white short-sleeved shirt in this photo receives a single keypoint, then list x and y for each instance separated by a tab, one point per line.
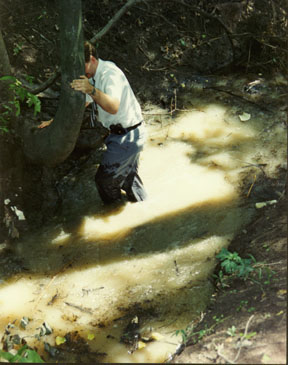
112	81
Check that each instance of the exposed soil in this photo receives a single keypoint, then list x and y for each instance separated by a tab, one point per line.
253	309
258	311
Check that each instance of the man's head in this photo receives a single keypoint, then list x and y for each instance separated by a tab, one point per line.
91	59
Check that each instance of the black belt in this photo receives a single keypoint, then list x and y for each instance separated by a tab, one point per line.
118	129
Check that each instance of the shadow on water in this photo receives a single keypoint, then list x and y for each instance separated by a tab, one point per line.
220	217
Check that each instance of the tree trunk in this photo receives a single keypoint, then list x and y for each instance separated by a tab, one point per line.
5	68
52	145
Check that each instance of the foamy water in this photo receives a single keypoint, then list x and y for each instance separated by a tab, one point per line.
151	259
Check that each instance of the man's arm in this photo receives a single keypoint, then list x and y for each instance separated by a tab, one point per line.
105	101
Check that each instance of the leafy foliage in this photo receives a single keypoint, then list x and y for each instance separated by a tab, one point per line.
23	355
232	263
20	95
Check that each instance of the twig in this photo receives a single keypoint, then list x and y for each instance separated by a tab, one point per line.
145	54
219	347
240	348
42	36
159	16
243	337
82	309
270	45
50	282
270	264
251	186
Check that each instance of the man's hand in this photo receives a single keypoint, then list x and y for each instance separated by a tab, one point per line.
106	102
82	85
45	123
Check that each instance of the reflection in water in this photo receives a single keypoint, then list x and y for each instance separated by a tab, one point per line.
152	259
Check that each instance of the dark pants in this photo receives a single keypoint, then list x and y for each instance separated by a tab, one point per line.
119	167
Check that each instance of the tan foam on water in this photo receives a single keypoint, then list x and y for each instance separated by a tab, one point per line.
173	180
102	290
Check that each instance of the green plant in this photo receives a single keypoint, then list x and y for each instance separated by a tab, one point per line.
203	333
218	319
43	15
23	355
233	264
13	107
185	333
248	335
231	331
243	303
17	49
221	279
4	118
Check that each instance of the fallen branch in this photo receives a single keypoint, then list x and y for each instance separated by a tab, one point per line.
262	107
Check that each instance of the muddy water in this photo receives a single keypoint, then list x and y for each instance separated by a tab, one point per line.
148	262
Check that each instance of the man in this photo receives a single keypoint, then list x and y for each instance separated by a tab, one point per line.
119	111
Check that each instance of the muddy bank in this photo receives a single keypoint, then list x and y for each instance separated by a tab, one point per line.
256	309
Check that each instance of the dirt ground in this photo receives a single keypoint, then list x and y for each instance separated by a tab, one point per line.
254	310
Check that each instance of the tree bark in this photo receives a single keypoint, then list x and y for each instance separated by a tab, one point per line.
52	145
5	68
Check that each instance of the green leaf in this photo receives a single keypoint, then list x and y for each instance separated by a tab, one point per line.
6	355
32	356
59	340
34	100
17	106
24	355
235	257
229	266
18	82
29	78
249	335
223	254
22	93
8	78
37	107
252	258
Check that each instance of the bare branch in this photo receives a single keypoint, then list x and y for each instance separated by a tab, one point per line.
45	84
113	21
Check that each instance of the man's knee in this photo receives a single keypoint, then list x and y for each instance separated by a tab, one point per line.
107	186
101	177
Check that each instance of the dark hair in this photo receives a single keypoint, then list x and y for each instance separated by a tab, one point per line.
89	50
